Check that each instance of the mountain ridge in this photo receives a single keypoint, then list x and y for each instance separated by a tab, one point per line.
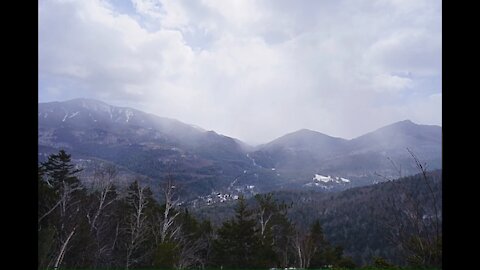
207	161
302	130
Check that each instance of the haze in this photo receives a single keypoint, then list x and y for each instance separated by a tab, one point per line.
253	70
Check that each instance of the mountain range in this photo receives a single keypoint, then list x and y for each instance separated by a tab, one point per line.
149	147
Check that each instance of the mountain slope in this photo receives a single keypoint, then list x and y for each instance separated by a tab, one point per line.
298	149
204	162
398	136
391	142
141	142
357	219
303	154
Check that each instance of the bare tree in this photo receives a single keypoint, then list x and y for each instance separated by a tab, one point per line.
412	225
104	185
69	208
66	193
304	249
266	212
68	222
274	225
103	196
63	249
136	229
168	230
298	245
189	252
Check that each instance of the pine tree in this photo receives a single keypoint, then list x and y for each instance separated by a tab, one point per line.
238	243
60	219
275	231
58	170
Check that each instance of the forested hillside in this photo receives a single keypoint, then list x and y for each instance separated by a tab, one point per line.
360	219
100	225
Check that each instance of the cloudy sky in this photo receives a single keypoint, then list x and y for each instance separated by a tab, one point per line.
250	69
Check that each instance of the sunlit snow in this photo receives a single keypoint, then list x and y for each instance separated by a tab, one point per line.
326	179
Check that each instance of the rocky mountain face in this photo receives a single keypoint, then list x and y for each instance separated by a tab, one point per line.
205	163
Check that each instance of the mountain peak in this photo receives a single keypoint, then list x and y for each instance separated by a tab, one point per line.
404	122
305	138
399	135
85	101
306	132
397	126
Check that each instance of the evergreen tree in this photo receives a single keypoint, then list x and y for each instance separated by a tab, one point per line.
237	244
324	254
47	203
190	226
275	231
380	262
319	245
61	212
58	170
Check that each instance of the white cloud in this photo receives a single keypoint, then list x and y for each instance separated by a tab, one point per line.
152	8
385	82
249	69
410	50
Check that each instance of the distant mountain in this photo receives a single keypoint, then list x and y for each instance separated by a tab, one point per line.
300	149
204	162
142	143
301	155
392	142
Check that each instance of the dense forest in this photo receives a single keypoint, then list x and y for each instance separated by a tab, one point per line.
359	219
101	225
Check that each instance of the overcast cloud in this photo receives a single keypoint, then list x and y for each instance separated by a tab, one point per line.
253	70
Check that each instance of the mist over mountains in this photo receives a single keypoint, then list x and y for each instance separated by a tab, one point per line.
203	162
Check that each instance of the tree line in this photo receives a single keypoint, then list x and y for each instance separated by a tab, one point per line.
101	226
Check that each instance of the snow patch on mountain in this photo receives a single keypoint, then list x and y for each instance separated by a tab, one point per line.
74	114
345	180
128	114
327	179
253	161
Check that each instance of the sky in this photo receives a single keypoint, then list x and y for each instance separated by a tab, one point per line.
250	69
